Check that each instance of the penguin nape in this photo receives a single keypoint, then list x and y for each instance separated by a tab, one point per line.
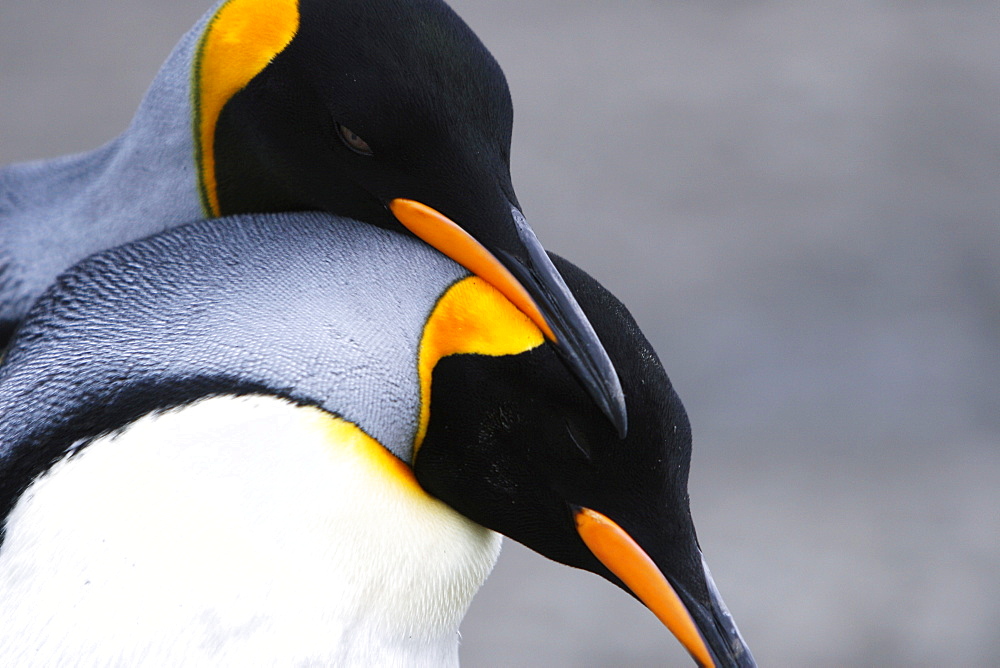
391	112
289	439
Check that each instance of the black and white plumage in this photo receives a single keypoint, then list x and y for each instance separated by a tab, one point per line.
208	436
391	112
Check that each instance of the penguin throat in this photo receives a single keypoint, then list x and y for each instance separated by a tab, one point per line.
471	317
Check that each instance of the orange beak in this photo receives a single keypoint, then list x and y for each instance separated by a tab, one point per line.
622	556
536	288
440	232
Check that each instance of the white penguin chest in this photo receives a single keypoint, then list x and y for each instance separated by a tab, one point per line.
236	531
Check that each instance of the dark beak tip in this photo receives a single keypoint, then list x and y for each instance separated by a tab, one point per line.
617	414
723	637
577	342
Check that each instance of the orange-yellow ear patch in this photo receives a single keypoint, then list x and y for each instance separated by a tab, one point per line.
470	317
239	41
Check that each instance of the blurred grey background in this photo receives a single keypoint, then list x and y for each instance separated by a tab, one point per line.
800	203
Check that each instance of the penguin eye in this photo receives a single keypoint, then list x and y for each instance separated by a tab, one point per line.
353	141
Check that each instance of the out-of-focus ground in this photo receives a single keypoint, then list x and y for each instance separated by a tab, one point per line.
800	203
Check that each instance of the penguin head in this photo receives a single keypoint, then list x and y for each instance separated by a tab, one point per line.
513	443
392	113
369	102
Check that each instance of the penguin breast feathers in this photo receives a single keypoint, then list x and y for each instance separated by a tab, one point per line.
237	531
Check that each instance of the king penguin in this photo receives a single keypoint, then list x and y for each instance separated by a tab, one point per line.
391	112
290	439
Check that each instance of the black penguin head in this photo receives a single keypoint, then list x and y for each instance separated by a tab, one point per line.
513	443
370	102
391	112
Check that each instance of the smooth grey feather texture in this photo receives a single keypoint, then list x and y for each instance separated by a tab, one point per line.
323	310
54	213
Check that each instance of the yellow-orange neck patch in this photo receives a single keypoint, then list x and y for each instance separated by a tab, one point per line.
350	444
471	317
239	41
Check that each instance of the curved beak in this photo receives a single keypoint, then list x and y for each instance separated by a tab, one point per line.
709	635
536	288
